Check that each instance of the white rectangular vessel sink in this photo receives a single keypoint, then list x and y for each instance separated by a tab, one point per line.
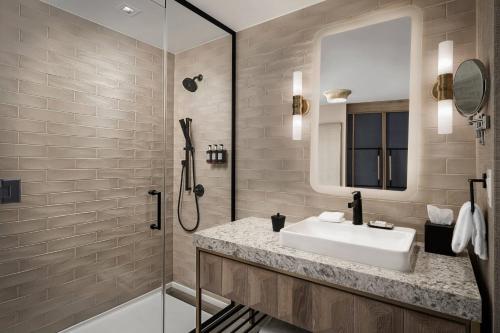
390	249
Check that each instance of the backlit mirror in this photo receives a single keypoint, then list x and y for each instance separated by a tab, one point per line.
363	106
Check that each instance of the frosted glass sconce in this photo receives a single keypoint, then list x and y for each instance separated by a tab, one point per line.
443	89
300	106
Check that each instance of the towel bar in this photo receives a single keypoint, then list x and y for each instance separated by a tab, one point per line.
471	189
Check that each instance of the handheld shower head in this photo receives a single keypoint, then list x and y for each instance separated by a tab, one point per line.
185	124
190	84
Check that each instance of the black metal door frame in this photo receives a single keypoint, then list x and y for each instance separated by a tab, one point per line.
230	31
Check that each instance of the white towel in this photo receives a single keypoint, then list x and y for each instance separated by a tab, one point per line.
479	234
470	226
335	217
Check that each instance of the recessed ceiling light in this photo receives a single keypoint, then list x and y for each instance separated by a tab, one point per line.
129	10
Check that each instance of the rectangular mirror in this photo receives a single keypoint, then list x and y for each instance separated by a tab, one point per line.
365	105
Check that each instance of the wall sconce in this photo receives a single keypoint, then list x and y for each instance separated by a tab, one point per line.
443	88
337	96
300	106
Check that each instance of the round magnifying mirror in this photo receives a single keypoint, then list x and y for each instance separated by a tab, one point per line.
470	87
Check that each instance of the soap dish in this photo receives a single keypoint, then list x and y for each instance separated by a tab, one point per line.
381	225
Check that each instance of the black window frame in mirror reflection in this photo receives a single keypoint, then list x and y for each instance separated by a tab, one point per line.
230	31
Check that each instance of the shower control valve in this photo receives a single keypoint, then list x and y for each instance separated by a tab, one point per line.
199	190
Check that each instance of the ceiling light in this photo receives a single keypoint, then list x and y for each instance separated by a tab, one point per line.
337	95
129	10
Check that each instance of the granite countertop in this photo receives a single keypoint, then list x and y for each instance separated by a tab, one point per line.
440	283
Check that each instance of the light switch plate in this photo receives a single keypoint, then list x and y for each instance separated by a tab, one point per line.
10	191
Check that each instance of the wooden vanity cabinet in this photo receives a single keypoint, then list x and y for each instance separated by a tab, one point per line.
313	306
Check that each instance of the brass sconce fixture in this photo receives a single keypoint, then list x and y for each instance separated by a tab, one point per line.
300	106
443	88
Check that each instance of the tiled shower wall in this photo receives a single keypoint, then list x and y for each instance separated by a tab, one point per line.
81	124
210	109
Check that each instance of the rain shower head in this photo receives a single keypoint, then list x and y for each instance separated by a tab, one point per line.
190	84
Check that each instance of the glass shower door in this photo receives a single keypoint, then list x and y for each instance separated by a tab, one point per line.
82	126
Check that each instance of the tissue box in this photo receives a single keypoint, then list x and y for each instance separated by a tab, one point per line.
438	238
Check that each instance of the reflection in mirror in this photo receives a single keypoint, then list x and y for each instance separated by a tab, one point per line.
470	87
364	106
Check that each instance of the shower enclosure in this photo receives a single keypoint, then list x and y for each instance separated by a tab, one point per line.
91	93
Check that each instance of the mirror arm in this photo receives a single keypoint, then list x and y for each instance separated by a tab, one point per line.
481	123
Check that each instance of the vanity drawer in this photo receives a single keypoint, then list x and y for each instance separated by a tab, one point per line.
210	272
234	281
371	316
263	290
314	307
333	310
416	322
295	300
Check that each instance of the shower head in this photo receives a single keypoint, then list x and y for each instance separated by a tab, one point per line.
190	84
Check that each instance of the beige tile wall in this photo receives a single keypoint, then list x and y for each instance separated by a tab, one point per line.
81	112
273	170
210	109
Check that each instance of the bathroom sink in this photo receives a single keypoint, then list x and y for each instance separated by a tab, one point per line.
390	249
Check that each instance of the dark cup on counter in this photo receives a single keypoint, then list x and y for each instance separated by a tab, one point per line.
278	222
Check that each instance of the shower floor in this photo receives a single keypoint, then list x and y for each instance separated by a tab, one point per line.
143	315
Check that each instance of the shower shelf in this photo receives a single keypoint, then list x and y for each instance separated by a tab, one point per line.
219	162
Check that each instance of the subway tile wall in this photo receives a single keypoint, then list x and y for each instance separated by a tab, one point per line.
81	123
210	109
273	170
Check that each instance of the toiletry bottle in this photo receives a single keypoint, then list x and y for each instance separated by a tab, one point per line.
214	154
220	154
209	154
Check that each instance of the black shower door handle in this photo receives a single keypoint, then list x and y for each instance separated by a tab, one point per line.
157	226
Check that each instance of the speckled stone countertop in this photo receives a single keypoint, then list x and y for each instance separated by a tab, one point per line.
440	283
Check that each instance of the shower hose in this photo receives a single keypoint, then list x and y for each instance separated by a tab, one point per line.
179	201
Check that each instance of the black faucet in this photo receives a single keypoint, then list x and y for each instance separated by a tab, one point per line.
357	208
